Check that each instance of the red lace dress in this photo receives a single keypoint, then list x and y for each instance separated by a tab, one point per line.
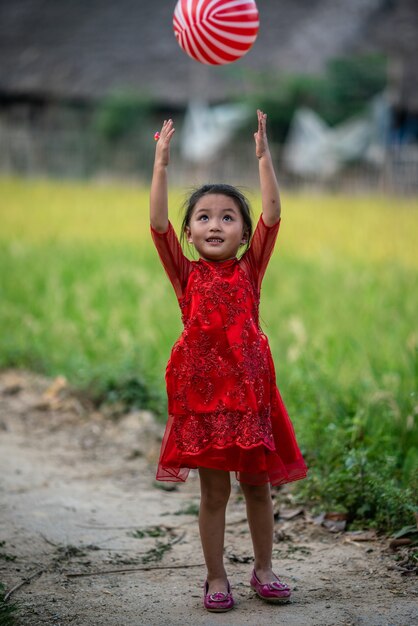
225	411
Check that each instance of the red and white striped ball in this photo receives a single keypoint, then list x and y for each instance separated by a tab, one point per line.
216	32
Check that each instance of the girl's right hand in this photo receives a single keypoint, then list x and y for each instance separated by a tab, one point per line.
162	148
261	143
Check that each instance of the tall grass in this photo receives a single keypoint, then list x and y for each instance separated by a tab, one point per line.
83	294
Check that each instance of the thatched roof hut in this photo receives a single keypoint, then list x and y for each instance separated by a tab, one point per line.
82	50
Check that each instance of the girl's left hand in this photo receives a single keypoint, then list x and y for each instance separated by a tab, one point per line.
261	143
162	147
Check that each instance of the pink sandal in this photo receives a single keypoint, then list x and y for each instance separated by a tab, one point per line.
275	591
217	602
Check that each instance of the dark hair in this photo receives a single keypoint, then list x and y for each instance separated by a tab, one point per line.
224	190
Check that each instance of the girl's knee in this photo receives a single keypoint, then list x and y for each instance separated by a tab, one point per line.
214	499
256	493
215	490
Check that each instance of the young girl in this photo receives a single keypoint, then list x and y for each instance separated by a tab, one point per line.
225	411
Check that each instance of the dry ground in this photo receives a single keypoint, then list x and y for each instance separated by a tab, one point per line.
78	497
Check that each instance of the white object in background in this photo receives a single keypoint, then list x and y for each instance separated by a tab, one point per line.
207	129
315	149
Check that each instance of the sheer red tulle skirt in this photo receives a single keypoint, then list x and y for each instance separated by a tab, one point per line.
254	466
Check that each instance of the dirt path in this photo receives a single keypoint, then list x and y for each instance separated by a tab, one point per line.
78	496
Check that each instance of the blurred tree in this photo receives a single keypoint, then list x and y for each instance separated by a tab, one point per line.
343	90
121	114
352	82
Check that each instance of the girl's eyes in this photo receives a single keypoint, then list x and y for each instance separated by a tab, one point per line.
204	218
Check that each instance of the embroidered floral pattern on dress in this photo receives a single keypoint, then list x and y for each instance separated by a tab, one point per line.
210	285
222	429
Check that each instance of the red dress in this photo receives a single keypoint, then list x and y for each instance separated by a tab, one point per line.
225	411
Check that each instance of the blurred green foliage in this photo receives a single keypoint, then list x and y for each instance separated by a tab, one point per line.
121	114
128	389
362	450
342	91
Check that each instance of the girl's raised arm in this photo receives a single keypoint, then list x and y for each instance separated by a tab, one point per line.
270	197
159	184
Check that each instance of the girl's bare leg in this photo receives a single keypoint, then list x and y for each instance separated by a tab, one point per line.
215	488
261	523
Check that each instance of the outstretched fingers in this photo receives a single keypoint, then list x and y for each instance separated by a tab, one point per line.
260	136
262	119
163	138
167	131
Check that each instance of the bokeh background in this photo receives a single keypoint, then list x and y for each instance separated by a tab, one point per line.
84	86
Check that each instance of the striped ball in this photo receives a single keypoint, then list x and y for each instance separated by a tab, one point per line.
216	32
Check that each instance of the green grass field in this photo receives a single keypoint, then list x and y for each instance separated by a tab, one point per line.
83	294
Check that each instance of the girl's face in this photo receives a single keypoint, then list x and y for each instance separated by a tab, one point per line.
216	228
